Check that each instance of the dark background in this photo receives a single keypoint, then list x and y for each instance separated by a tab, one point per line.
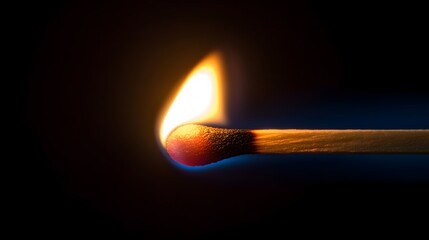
91	79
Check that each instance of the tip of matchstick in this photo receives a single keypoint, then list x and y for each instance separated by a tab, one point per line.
196	145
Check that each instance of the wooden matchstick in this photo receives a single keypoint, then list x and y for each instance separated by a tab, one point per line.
195	145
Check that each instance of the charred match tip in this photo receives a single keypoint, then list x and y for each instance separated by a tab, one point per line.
196	145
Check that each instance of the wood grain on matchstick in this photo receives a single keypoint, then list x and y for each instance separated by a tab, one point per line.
341	141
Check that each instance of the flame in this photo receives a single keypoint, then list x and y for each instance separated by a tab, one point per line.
199	99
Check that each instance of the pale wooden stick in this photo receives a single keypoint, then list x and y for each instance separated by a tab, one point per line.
341	141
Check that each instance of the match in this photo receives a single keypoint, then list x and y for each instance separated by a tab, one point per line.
197	145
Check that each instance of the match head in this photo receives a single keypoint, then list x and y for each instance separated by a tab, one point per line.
196	145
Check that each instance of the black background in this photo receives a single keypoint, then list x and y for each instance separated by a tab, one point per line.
91	79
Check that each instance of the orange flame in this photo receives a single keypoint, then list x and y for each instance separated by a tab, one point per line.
199	99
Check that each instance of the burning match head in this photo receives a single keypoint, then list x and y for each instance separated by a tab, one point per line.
196	145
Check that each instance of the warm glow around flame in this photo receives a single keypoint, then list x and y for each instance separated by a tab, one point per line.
199	100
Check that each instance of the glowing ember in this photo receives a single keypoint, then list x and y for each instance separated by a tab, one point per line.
199	100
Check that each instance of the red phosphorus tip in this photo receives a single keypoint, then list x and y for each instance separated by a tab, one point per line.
196	145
